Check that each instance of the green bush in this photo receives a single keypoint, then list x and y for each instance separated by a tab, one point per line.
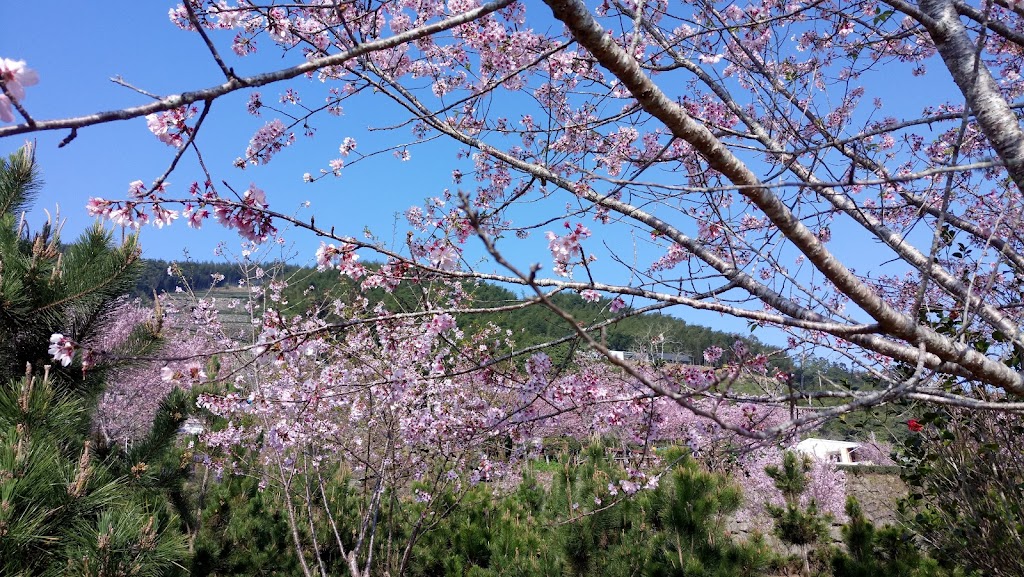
872	551
579	527
966	478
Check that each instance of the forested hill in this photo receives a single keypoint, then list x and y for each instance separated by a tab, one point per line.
158	276
530	326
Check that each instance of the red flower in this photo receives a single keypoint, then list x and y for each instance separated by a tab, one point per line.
914	426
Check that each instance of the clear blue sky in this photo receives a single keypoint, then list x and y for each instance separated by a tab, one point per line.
76	47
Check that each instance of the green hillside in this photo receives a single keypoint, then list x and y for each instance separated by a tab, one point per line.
530	326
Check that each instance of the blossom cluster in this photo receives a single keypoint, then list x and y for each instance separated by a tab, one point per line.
266	142
566	250
321	395
62	349
170	126
15	76
248	216
343	257
591	135
143	207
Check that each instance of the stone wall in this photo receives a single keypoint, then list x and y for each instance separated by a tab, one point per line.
877	493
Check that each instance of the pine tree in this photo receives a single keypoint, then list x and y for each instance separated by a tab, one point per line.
796	525
672	526
689	508
243	531
68	504
874	551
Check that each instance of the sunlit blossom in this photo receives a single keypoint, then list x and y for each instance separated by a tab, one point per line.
62	349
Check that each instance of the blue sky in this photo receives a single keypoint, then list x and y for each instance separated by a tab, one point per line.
84	47
77	47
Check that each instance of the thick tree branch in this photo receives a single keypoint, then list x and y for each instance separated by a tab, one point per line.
214	92
993	113
592	36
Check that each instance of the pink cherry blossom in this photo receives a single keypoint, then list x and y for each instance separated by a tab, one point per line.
740	348
6	113
98	207
170	126
268	141
195	216
565	250
163	216
347	145
62	349
169	375
243	45
15	76
443	255
343	257
336	166
712	354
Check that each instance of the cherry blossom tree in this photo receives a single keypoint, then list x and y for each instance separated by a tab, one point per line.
409	414
404	404
136	388
721	157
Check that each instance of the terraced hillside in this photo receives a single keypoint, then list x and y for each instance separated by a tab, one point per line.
229	302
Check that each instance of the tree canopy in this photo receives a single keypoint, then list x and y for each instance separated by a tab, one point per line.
752	160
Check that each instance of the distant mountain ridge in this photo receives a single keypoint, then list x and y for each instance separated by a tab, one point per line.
666	336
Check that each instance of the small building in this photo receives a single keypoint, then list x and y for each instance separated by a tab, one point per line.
843	452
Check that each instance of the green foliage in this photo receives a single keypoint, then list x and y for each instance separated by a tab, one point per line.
886	551
966	479
856	470
242	531
46	287
485	535
62	511
532	325
592	540
568	524
857	425
128	541
688	511
578	527
869	551
538	324
68	505
198	276
796	525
